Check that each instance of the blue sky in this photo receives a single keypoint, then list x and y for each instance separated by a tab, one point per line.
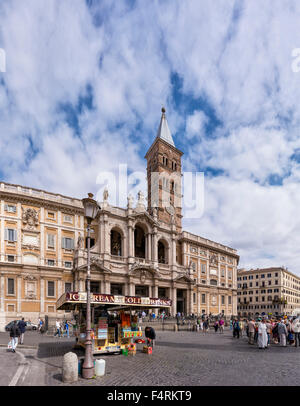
85	82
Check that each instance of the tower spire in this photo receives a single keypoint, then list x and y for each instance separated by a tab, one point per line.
163	130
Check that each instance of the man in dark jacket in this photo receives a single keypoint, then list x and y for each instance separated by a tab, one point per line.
14	335
150	335
22	327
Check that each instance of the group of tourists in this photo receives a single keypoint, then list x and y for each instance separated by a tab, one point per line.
62	329
264	331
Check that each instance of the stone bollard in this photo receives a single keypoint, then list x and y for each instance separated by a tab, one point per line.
70	367
175	327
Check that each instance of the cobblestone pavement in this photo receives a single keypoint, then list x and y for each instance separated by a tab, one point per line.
182	358
9	363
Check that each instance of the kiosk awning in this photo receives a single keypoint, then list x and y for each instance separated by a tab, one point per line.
69	300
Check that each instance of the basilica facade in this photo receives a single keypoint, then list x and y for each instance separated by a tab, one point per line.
140	250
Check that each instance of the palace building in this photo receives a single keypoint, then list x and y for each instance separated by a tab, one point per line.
140	250
269	291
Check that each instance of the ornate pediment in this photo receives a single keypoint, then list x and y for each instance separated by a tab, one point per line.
96	264
184	276
145	268
145	216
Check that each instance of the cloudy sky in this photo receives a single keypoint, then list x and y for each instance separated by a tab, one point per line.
85	82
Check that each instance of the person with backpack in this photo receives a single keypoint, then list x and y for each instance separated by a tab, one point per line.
236	329
14	335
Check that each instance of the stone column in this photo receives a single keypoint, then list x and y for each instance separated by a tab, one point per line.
19	233
107	285
59	239
219	302
42	236
226	305
154	245
42	295
191	290
130	243
2	309
149	253
198	302
208	302
19	293
2	252
174	300
155	293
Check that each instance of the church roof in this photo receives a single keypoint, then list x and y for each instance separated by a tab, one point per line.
163	131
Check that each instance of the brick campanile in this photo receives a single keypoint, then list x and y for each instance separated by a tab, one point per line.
164	176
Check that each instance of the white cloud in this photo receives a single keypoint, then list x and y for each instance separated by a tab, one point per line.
235	56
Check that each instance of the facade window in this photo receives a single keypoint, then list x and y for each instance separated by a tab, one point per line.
203	268
115	243
213	282
229	300
95	287
51	289
67	243
222	273
67	219
194	298
10	258
229	274
50	262
51	215
68	264
50	241
10	208
10	235
68	287
223	300
276	282
203	298
10	286
262	276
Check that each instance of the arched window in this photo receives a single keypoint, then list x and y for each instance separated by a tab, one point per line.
214	282
115	243
162	253
139	243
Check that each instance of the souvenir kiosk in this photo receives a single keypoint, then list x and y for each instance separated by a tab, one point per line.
113	324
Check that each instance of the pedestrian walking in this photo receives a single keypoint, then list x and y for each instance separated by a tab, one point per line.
269	331
251	329
241	328
236	329
14	335
205	326
22	327
262	340
216	326
230	324
221	326
57	325
67	329
296	330
282	332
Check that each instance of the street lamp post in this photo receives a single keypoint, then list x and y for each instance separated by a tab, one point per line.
90	212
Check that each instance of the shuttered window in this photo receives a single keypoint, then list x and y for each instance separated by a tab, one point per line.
10	235
68	243
50	240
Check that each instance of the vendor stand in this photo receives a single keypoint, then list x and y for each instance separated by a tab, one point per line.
112	322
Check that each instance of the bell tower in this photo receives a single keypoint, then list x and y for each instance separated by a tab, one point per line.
164	176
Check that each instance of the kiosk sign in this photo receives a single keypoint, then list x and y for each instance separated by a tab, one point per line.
80	297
